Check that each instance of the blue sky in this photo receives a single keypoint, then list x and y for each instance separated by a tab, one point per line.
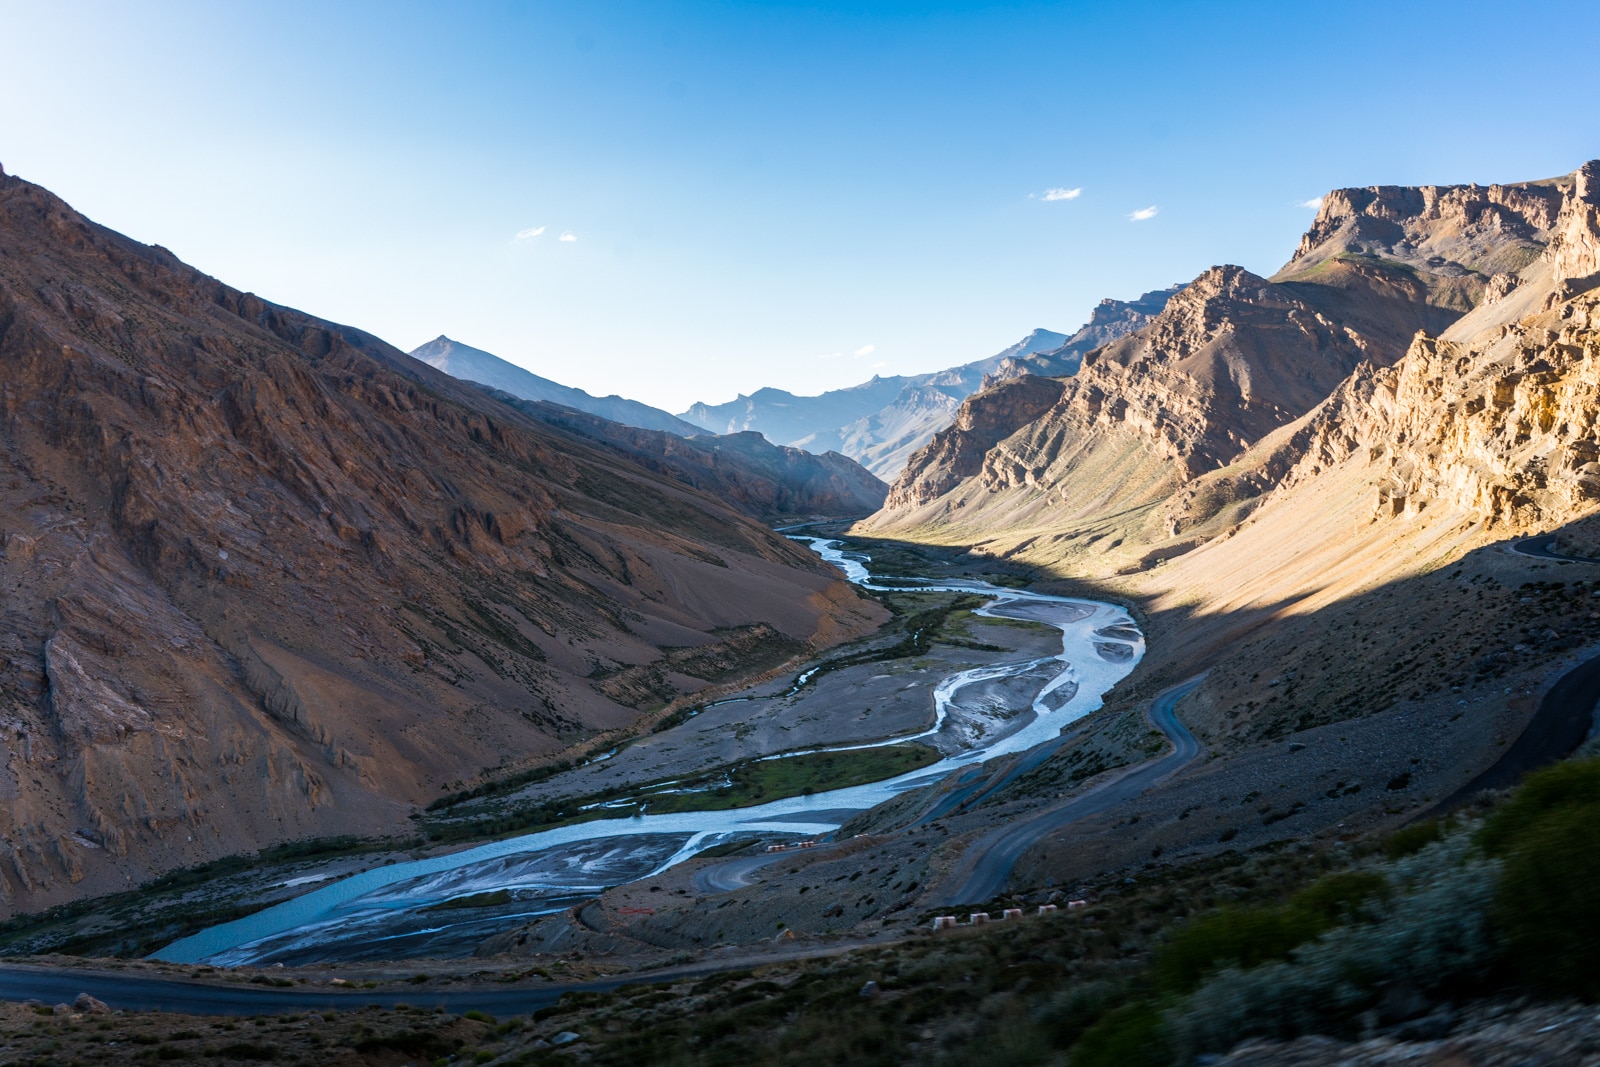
787	194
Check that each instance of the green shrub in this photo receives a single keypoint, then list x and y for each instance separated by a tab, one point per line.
1436	936
1066	1016
1248	937
1548	901
1133	1035
1413	839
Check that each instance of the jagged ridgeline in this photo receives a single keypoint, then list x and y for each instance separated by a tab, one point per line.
1271	463
1435	335
268	577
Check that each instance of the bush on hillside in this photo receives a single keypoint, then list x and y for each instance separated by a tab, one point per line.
1548	901
1248	937
1435	936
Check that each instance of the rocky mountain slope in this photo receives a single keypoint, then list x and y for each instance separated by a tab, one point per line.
1110	320
1351	560
877	423
883	422
475	365
772	482
268	577
1230	359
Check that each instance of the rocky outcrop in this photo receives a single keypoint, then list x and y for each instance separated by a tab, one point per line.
1500	419
985	419
771	482
1230	358
1234	357
1506	430
1111	319
1455	238
267	576
1575	248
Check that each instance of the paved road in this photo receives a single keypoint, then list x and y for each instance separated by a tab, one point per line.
732	874
1564	719
989	860
139	992
136	991
1544	547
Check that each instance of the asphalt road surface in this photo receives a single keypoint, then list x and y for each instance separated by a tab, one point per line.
732	874
989	860
1564	719
140	992
1544	547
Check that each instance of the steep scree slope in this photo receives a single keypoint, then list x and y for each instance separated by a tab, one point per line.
266	576
771	482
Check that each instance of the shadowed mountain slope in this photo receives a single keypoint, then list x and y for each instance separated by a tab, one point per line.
475	365
1275	567
771	482
267	576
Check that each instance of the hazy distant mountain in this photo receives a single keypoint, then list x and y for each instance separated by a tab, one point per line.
476	365
772	482
1110	320
877	423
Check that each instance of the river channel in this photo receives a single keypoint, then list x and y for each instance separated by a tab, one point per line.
404	910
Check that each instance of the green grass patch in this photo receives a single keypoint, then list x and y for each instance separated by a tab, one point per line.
777	779
476	900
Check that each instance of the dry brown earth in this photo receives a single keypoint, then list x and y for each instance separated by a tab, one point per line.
267	577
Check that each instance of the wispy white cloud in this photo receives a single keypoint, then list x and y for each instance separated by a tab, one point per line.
1314	204
866	350
879	365
1144	213
1062	194
569	236
831	355
528	234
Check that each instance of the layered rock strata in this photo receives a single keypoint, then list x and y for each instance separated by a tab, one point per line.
266	576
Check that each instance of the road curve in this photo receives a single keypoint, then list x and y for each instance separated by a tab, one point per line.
989	860
731	874
1563	720
1543	547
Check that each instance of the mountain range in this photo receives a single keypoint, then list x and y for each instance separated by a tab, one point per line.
475	365
268	577
881	422
1297	477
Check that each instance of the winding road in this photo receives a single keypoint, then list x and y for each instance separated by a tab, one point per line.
1543	547
1565	717
732	874
989	860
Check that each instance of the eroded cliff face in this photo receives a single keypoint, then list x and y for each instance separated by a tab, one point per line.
1458	238
983	420
1234	358
1503	427
266	576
